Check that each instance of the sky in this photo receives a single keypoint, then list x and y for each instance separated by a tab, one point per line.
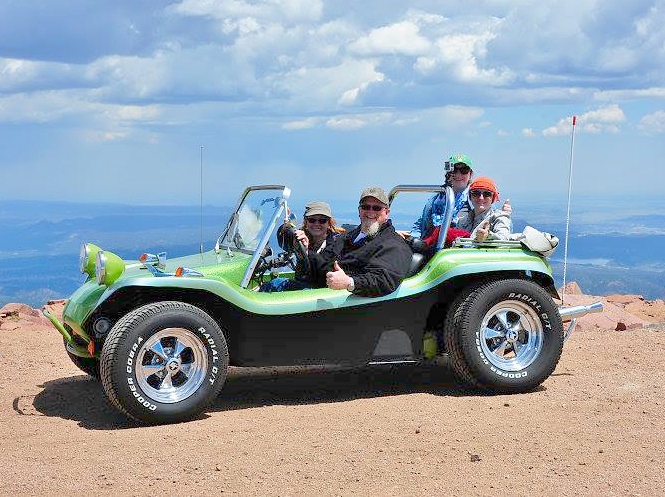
163	102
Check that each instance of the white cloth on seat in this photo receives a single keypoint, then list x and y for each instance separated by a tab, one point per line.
537	241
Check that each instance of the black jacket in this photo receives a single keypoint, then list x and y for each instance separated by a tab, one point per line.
377	265
301	273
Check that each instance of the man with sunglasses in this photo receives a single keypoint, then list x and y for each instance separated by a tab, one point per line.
483	222
370	260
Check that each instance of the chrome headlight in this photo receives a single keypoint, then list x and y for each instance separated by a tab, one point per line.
108	268
87	257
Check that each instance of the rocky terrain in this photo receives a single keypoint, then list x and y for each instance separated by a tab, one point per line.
595	427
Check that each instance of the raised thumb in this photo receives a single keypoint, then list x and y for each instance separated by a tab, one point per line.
336	266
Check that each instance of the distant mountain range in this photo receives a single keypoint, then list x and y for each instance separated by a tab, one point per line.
40	242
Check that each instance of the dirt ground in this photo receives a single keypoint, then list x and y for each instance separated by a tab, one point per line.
595	427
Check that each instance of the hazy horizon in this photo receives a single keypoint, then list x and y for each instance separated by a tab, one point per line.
619	252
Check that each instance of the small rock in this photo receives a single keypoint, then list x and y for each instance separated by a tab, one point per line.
571	288
17	309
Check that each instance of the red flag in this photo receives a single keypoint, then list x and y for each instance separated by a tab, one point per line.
574	119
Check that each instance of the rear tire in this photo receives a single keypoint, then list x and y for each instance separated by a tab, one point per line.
164	362
505	336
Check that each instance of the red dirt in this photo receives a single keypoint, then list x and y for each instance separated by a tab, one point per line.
595	427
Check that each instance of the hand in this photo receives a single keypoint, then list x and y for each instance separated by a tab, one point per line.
507	208
482	231
403	234
301	236
337	279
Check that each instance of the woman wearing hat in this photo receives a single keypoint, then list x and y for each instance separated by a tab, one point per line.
318	230
483	222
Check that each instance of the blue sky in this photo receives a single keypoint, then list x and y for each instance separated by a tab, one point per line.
113	100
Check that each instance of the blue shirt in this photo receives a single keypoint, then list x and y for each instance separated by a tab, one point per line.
434	213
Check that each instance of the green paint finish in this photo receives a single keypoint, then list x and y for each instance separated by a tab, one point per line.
223	274
79	306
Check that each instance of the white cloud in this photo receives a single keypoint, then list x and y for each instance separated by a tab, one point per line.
325	87
401	38
653	123
292	11
301	124
603	120
630	94
429	74
345	123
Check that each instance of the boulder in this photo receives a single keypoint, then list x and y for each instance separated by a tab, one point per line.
571	288
19	310
624	299
609	319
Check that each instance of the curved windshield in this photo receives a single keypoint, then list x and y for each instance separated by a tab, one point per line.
255	214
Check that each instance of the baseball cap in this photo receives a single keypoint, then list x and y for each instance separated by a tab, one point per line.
460	159
485	183
377	192
318	207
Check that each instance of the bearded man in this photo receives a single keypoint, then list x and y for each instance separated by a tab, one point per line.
370	260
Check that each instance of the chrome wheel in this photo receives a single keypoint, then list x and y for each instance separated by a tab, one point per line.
511	335
171	365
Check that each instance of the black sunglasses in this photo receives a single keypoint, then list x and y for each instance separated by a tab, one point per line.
319	220
375	208
462	169
484	193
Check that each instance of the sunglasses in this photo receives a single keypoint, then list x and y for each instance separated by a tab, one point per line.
483	193
315	220
462	169
375	208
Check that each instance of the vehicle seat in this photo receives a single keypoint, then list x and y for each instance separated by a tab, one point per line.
420	255
417	262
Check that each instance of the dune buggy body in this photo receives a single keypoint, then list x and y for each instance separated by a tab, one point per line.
160	333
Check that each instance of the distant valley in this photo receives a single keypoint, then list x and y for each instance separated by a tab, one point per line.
40	243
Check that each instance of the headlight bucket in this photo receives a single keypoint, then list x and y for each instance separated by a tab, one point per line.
87	258
108	268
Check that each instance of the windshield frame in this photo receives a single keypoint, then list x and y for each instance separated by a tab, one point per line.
450	202
282	194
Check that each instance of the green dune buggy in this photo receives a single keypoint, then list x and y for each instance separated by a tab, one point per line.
161	333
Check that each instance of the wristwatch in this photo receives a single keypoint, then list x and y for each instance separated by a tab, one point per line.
351	286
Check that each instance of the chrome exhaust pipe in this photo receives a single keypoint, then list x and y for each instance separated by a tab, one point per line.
572	313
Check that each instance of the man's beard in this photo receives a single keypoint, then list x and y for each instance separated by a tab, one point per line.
370	230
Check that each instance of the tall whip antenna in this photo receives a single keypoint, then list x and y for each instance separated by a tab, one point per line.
570	186
201	175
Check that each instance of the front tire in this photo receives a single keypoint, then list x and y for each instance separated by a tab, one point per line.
505	336
164	362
